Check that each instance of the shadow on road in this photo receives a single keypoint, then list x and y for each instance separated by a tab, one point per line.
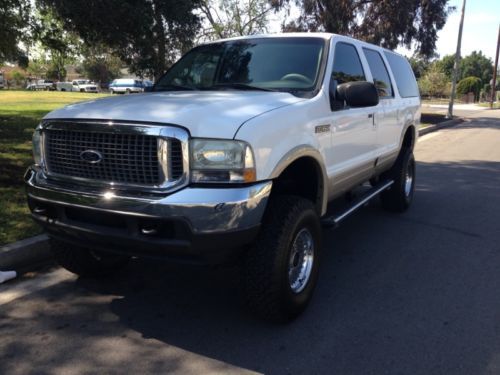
399	292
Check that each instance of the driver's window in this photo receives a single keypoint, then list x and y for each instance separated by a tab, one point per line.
347	66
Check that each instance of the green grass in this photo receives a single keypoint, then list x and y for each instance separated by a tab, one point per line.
20	112
496	105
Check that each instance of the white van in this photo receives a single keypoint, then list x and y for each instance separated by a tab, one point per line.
126	86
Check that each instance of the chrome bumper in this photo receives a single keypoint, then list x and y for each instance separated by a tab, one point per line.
206	210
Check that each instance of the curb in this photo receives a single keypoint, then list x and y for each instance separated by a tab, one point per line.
25	255
440	125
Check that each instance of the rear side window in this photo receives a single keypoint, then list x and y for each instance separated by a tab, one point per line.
347	65
405	79
380	75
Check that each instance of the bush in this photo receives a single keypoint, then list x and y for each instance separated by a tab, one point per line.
434	83
470	84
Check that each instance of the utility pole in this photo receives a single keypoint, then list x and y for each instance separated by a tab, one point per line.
494	85
457	62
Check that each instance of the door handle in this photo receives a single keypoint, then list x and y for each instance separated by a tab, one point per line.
372	116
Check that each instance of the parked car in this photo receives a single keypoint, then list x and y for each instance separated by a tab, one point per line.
126	86
41	84
240	154
147	84
84	85
2	84
64	86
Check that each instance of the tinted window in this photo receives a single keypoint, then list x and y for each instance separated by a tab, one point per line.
379	72
405	80
347	65
280	64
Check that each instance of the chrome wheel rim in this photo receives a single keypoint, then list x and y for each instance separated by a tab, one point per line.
301	260
408	180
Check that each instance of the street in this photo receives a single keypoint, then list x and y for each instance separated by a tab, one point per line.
413	293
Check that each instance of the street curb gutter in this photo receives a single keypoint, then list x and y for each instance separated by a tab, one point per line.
441	125
26	254
29	253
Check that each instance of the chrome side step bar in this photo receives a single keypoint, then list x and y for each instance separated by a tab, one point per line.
334	220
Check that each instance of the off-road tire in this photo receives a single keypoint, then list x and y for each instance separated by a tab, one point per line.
85	261
265	272
398	197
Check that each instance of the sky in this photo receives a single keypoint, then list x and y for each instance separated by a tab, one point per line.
481	22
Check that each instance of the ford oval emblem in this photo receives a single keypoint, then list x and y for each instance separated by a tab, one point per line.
91	156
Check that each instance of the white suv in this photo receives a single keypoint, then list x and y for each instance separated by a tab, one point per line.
235	155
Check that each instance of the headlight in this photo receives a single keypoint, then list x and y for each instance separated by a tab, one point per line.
37	145
221	161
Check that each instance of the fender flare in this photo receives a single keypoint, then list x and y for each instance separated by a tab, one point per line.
306	151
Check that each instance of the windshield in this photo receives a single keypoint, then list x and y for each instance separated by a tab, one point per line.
274	64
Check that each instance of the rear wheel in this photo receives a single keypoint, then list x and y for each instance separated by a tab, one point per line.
85	261
127	91
281	269
399	196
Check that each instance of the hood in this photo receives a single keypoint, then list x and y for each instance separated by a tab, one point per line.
213	114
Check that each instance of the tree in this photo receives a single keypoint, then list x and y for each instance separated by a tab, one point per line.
227	18
477	65
148	35
61	45
387	23
18	78
473	65
14	20
469	84
446	65
100	64
419	65
434	83
37	67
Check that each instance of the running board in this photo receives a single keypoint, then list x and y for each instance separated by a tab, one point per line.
334	220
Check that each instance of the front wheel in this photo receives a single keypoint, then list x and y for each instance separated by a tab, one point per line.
85	261
281	269
399	196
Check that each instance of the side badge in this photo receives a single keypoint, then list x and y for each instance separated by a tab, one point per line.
322	129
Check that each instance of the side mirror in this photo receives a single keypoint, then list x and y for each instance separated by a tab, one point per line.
353	94
357	94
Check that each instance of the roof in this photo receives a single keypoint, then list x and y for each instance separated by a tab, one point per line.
326	36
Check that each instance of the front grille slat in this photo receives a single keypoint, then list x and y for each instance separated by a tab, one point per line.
126	158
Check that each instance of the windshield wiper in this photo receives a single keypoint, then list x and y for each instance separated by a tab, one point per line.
238	86
173	88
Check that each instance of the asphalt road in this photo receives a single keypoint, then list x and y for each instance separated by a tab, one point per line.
417	293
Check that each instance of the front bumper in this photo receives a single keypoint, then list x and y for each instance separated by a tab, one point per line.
195	223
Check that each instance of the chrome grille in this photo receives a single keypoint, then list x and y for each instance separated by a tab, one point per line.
126	158
176	160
